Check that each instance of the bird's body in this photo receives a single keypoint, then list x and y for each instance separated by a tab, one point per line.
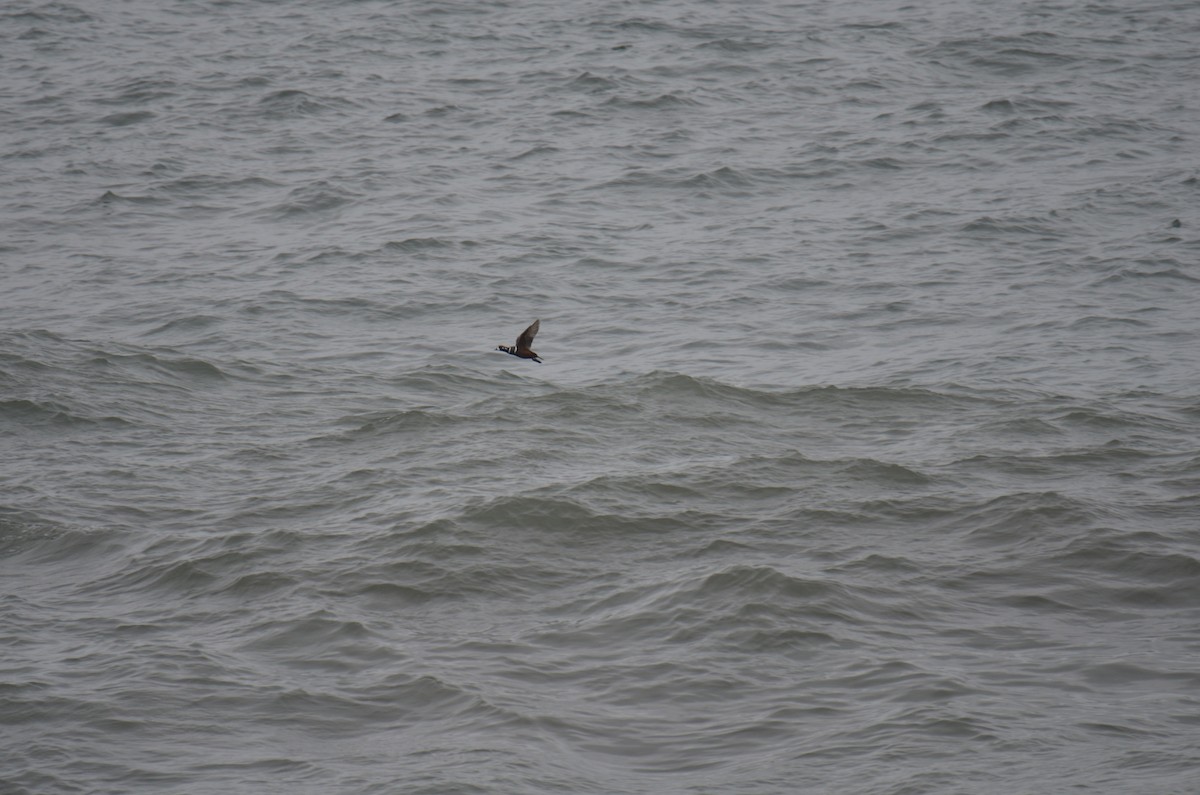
522	348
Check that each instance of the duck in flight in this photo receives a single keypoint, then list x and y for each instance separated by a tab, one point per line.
523	342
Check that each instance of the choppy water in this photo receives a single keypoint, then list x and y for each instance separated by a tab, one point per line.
864	457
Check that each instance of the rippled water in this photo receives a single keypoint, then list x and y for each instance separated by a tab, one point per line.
864	457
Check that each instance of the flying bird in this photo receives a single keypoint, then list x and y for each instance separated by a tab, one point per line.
523	342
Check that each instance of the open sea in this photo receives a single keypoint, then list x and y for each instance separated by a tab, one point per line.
864	458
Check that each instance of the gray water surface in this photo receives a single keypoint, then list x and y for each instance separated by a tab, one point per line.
864	457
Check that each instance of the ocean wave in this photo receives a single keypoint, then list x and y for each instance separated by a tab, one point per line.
314	199
50	412
291	102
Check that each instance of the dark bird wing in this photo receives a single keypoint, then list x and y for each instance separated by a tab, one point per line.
526	338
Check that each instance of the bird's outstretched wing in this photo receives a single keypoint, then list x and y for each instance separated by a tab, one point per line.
526	338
